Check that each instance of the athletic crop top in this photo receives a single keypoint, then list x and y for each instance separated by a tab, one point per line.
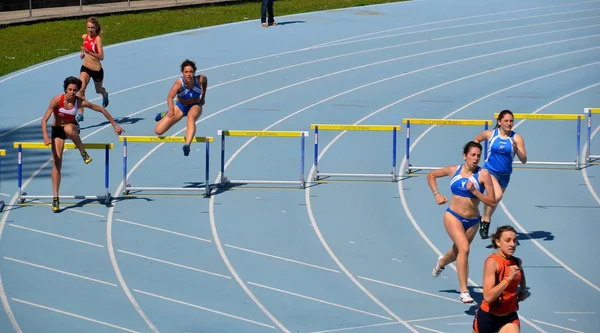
458	183
61	112
500	153
194	93
90	44
507	302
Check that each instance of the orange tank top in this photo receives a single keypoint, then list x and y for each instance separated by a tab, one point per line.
507	302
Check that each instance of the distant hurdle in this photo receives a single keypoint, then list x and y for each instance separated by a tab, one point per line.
224	181
40	145
2	153
537	116
439	122
589	157
162	139
393	129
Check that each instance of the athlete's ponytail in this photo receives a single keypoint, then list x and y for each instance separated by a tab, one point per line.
501	115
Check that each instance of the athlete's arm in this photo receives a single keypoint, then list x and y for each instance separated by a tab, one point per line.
86	104
100	54
520	148
483	136
489	198
204	83
432	182
172	93
523	294
491	291
53	104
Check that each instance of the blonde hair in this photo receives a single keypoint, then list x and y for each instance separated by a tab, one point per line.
95	22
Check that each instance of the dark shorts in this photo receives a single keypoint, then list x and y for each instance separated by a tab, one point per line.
485	322
59	132
97	76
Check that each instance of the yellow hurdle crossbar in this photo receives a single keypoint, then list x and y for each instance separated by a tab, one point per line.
455	122
2	152
349	127
547	116
41	145
589	157
394	129
166	139
281	134
224	181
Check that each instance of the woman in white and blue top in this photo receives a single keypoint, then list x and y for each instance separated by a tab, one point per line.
468	184
503	146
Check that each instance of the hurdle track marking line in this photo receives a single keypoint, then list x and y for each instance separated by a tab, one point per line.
409	289
202	308
222	65
219	247
56	235
164	230
282	258
522	229
556	326
174	264
211	207
356	327
59	271
72	315
317	300
456	19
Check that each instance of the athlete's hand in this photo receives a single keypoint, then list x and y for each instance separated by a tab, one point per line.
170	113
513	270
202	101
119	130
47	141
470	186
440	199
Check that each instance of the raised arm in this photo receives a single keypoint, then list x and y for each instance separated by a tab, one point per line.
204	83
483	136
172	93
107	115
432	182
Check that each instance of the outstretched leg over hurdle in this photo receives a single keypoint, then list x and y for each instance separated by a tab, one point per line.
64	107
186	99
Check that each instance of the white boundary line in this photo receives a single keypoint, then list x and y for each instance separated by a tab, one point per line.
584	173
556	326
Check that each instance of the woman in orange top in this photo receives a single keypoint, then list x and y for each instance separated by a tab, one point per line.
504	286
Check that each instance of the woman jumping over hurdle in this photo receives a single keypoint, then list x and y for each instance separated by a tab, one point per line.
186	99
461	219
64	107
92	53
503	145
504	286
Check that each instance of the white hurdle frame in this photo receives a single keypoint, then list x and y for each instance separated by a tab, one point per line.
589	157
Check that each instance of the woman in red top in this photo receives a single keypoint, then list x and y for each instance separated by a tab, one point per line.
64	108
504	286
92	53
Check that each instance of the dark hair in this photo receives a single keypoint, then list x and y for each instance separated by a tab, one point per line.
501	115
496	236
72	80
469	145
95	22
186	63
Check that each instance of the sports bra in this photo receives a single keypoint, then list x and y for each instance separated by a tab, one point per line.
90	44
61	112
194	93
458	184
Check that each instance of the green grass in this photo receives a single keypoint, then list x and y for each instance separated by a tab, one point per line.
27	45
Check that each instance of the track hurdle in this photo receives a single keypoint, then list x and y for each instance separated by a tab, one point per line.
40	145
162	139
2	153
590	158
348	127
538	116
224	181
439	122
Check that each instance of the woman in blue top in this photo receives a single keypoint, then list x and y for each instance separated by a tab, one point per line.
468	184
185	99
503	145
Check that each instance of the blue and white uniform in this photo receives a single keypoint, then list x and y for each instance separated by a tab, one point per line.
500	156
458	186
187	94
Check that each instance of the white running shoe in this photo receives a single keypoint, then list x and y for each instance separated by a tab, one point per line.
437	270
466	298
